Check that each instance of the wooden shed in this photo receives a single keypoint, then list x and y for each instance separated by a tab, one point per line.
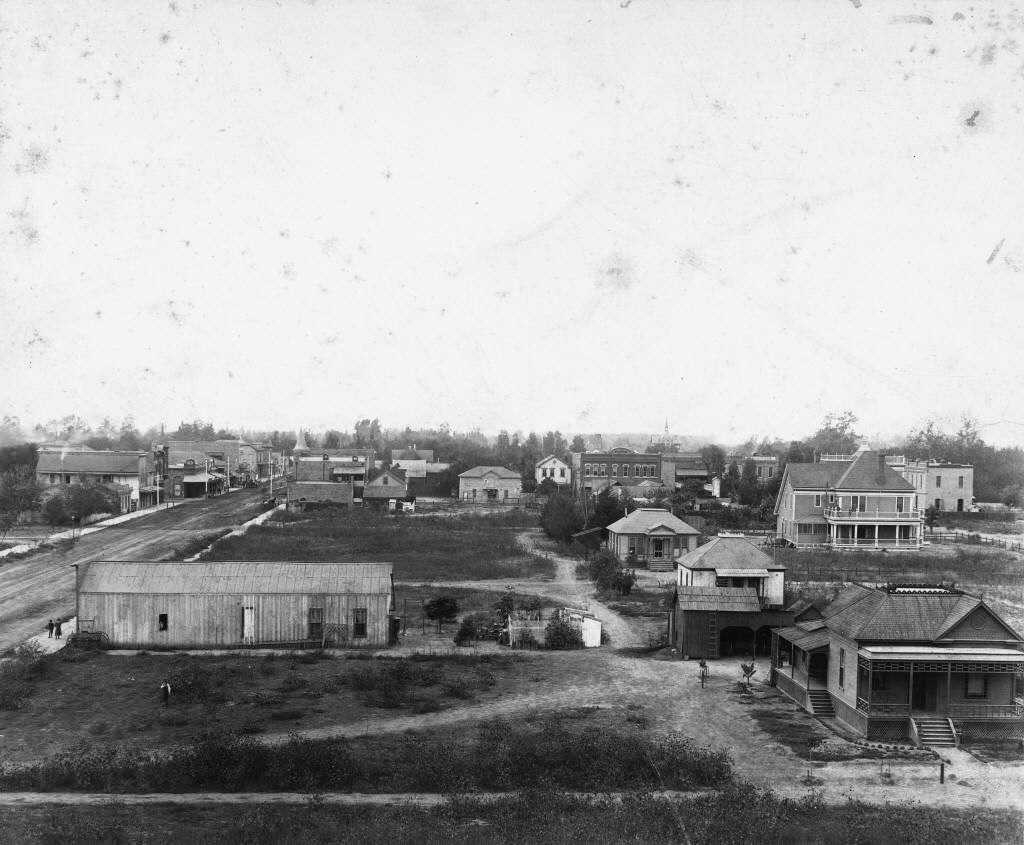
722	622
237	604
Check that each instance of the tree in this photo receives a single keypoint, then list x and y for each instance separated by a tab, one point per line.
749	670
579	444
608	508
747	487
714	460
931	517
560	518
837	435
332	439
1011	495
546	487
69	503
441	609
731	482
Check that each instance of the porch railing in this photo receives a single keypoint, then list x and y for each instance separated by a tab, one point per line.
887	543
987	711
848	515
881	708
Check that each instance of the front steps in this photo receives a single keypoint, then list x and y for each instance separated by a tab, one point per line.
821	703
934	733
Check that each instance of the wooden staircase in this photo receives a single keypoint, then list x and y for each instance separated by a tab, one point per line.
821	703
935	733
665	564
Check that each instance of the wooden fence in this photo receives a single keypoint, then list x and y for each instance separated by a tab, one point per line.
969	538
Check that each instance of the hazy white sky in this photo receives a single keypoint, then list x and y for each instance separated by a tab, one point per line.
589	216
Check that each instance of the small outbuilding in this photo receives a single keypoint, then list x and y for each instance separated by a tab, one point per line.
237	604
530	626
490	484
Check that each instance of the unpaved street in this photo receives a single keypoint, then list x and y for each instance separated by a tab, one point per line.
42	585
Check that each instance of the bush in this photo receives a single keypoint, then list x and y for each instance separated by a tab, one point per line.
19	674
561	634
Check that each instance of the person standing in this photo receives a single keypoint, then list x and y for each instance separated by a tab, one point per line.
165	691
56	630
49	629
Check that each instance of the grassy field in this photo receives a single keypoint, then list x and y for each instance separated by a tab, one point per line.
947	563
428	548
584	749
739	816
110	700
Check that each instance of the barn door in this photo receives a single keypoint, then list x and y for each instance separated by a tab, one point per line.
248	624
316	624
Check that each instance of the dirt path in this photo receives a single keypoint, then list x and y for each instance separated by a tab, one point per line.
911	792
42	585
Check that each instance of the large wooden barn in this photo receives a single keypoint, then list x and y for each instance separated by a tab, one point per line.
237	604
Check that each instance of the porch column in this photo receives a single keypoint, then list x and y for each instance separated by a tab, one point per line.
949	685
910	690
876	535
871	671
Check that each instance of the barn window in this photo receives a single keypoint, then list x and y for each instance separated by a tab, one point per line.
359	623
162	621
316	623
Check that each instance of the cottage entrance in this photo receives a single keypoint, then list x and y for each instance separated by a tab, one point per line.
491	492
248	624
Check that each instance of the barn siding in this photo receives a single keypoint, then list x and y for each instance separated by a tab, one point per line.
211	621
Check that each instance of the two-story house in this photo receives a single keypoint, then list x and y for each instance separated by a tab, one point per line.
555	469
727	600
126	470
859	503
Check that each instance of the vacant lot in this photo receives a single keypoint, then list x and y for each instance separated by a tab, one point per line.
423	549
109	700
740	815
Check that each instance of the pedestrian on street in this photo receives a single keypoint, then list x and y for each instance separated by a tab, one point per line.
56	630
49	629
165	691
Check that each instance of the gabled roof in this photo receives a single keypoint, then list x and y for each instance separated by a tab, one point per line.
861	613
235	578
412	455
480	472
397	474
551	458
92	461
731	599
645	520
869	471
864	472
725	553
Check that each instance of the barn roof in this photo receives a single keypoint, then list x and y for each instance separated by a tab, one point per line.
733	599
235	577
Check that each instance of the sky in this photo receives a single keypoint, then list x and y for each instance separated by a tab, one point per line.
587	216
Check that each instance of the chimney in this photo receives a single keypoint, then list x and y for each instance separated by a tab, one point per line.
880	475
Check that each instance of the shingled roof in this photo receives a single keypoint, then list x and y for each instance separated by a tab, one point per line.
645	520
731	599
728	553
866	471
861	613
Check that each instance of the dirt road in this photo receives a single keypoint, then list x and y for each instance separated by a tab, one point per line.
42	585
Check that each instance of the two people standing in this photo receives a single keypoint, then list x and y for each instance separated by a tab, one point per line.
53	629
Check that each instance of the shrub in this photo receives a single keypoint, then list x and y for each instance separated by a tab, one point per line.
562	634
191	682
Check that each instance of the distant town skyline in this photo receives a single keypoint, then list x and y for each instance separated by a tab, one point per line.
573	215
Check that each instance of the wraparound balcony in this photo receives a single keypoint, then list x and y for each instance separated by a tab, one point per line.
876	515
